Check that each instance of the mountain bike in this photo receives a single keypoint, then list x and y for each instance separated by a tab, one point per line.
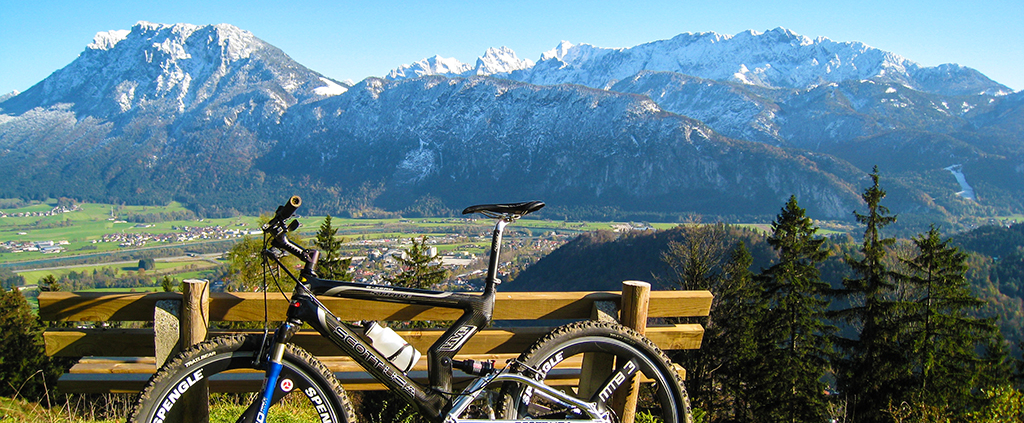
515	393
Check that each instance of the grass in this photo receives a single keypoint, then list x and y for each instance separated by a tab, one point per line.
84	228
19	410
291	410
175	269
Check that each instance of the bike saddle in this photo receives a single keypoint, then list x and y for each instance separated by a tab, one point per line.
518	209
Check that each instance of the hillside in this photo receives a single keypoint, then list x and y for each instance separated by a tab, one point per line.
602	260
223	122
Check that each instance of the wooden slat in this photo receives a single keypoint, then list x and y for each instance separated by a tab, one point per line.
247	306
252	381
99	306
139	342
107	375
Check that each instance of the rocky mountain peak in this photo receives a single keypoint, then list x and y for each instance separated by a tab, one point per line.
175	67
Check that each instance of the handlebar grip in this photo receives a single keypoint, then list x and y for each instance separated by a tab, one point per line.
288	209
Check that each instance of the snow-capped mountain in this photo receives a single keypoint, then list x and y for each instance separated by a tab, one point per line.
495	61
218	119
179	66
778	58
153	110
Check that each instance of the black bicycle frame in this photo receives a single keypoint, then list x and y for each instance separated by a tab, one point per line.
430	400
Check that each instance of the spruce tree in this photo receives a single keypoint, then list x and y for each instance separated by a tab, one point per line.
419	269
874	365
945	333
793	339
729	346
331	265
48	283
21	351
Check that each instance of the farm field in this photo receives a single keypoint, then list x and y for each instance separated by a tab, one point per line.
180	268
58	238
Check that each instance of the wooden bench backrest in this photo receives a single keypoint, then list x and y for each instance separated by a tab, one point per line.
248	306
244	307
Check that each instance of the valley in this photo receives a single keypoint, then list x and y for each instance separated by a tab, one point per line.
104	238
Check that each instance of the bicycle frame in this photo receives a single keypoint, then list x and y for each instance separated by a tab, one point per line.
430	400
306	308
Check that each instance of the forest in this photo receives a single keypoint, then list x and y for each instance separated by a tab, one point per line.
811	328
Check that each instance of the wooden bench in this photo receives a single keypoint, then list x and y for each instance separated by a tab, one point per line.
122	360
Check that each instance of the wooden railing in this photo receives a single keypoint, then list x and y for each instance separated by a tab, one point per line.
122	360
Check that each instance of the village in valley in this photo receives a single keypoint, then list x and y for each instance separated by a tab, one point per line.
89	235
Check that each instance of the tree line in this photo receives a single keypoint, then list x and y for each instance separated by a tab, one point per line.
900	339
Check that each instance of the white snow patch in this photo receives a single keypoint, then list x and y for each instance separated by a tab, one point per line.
558	52
890	90
967	192
331	89
418	163
106	40
500	60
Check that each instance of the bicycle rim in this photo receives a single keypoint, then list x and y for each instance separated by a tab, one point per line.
305	387
604	350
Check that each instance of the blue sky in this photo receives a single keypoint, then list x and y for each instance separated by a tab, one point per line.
349	40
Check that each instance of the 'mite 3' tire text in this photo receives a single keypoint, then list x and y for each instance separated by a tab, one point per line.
314	387
607	351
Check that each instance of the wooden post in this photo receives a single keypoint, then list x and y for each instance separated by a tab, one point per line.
195	322
596	366
166	330
636	296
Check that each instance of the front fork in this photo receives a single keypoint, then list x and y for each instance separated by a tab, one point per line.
257	411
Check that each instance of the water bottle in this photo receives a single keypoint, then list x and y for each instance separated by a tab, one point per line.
391	345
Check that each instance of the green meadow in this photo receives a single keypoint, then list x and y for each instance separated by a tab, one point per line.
93	233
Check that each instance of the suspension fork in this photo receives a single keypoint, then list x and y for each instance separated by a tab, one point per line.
258	410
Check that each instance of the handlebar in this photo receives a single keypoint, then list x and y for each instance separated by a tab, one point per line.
286	210
279	234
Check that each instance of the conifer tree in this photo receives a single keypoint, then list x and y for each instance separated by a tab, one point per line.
21	355
945	333
419	269
729	346
793	339
48	283
331	265
874	365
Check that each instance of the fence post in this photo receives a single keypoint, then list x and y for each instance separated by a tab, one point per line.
195	322
596	366
166	330
636	296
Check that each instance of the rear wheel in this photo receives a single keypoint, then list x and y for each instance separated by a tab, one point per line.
221	363
607	352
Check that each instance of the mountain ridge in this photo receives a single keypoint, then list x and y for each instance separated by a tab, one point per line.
215	118
748	57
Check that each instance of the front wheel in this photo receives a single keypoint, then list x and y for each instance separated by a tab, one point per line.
222	362
594	355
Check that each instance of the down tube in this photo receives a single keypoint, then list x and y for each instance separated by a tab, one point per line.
377	365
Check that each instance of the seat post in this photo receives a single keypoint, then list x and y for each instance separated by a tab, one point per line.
492	267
